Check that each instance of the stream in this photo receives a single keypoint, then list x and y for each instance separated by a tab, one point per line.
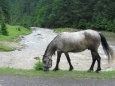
35	44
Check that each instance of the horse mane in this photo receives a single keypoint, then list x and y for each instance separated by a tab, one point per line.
50	48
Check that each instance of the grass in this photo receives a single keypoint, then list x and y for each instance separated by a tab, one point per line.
108	75
13	36
5	48
14	32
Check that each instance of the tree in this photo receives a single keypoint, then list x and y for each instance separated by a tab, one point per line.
5	8
4	29
1	15
82	14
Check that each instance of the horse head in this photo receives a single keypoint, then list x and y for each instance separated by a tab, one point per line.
47	62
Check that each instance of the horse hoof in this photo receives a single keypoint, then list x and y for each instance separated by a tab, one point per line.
90	71
70	69
55	69
97	71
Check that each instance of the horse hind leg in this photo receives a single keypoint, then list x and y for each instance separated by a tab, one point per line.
98	63
93	61
69	61
95	56
58	60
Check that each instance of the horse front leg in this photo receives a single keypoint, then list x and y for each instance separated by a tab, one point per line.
58	60
69	61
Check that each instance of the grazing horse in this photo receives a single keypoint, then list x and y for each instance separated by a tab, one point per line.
76	42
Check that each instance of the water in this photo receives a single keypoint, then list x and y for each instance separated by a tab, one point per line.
35	45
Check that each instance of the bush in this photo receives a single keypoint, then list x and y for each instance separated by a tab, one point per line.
38	65
4	29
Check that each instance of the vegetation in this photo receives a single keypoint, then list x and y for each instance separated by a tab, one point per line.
14	32
109	75
80	14
5	48
38	65
4	29
13	36
4	11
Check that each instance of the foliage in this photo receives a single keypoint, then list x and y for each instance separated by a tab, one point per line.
80	14
4	29
1	16
4	6
38	65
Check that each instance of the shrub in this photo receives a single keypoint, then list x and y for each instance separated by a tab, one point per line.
38	65
4	29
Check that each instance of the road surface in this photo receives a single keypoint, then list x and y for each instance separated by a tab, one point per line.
45	81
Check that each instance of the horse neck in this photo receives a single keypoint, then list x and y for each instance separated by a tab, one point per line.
50	50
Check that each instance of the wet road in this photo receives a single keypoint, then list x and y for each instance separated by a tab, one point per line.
43	81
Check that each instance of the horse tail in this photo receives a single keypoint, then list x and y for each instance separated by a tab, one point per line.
108	51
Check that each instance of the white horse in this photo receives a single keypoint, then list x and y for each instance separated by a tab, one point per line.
76	42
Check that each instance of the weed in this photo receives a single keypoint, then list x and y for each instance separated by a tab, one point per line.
38	65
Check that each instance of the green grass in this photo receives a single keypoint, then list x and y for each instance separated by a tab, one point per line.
14	33
13	36
5	48
110	75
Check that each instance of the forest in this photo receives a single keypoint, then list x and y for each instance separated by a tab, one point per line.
78	14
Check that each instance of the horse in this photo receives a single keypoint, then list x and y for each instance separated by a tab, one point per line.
79	41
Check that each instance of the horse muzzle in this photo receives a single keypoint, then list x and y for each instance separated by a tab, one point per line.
45	68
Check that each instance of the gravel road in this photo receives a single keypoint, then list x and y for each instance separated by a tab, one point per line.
43	81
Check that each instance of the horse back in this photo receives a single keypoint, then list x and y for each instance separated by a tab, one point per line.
77	41
93	39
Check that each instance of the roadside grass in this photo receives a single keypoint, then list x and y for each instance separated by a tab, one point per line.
107	75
